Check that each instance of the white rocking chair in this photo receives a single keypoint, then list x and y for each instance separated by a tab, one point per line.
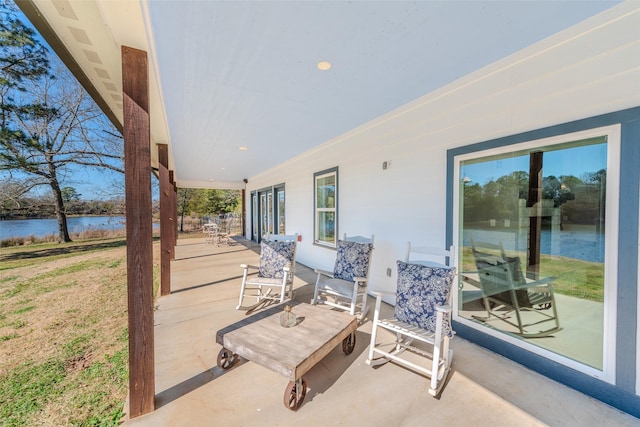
276	270
348	283
422	314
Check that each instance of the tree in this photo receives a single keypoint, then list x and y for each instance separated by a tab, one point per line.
48	123
203	202
221	201
70	194
183	196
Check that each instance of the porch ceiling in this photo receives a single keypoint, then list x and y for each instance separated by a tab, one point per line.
225	75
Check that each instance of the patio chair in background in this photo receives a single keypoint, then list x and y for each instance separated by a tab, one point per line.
211	233
346	287
422	315
507	293
276	270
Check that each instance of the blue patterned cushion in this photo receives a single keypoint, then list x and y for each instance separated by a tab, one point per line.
420	290
274	256
352	260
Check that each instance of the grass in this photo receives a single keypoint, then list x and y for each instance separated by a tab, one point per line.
28	388
63	333
577	278
91	234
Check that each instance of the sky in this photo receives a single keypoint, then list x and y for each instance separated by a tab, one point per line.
573	161
90	182
95	184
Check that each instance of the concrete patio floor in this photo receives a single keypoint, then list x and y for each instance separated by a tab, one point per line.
484	389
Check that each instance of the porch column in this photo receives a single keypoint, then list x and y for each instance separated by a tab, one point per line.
174	205
534	203
166	219
137	161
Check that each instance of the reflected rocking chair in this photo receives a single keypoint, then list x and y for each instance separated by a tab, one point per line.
506	293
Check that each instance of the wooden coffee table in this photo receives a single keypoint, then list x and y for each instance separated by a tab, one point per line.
290	352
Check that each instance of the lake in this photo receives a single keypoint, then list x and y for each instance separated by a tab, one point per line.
45	227
586	245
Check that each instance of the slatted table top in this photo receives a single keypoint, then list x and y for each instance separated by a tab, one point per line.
288	351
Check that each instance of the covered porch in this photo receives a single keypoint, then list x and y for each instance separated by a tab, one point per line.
249	101
484	389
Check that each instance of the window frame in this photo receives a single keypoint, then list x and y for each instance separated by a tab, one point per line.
316	210
613	134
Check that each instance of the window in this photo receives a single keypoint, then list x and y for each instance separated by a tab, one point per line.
550	206
326	207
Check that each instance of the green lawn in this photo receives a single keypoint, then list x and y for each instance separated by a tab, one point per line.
582	279
63	333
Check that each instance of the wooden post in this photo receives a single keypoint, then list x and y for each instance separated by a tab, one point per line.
535	218
175	225
166	219
137	162
174	205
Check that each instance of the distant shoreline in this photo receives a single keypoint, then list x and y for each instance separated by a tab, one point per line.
24	218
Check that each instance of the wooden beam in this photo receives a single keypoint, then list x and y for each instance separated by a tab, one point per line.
166	219
137	162
534	203
174	204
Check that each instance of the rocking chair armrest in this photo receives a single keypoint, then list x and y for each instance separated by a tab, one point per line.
359	279
444	308
541	282
380	294
247	266
323	272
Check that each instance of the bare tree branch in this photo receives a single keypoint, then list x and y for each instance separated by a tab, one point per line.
48	125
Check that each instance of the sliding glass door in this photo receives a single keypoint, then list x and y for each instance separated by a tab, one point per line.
535	233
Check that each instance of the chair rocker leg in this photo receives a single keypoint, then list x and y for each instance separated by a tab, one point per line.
261	300
441	373
365	309
352	309
314	301
522	329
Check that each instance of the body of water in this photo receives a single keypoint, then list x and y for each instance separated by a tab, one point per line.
45	227
580	244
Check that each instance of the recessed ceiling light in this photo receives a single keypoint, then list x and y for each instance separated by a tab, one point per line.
324	65
242	148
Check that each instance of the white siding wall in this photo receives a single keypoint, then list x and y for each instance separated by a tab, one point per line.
589	69
404	202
